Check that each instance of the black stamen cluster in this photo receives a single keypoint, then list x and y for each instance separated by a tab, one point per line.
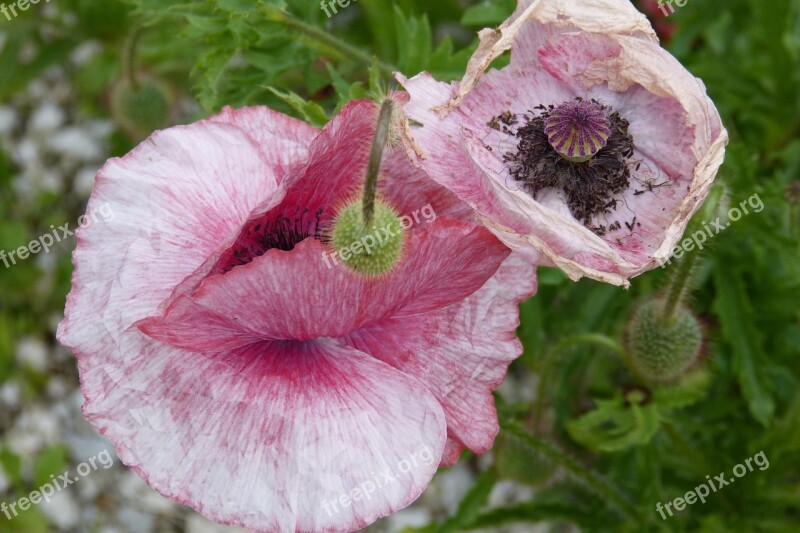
588	186
276	232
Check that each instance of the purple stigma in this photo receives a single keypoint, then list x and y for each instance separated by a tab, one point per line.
578	129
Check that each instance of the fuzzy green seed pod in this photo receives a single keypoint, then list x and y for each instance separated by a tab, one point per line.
661	351
140	110
373	249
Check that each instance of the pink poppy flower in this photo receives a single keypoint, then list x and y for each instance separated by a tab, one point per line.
589	152
239	372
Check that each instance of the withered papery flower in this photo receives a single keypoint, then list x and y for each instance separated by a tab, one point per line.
590	151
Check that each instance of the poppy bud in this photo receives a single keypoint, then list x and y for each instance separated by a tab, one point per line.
662	350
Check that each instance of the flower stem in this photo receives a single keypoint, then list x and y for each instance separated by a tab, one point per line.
554	357
679	287
375	157
321	36
600	486
129	57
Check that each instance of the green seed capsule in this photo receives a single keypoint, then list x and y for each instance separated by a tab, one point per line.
372	249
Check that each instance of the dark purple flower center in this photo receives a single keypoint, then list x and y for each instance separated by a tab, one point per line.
580	146
273	231
577	130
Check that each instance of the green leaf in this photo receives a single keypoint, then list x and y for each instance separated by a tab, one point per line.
488	13
50	462
470	506
614	425
690	389
310	111
12	465
605	490
414	41
732	305
30	521
535	511
517	462
208	72
6	348
344	90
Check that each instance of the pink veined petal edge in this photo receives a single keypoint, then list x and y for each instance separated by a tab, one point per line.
601	16
461	371
562	49
262	433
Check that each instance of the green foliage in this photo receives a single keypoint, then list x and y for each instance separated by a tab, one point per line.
598	454
633	418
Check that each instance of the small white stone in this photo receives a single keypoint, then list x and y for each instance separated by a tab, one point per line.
76	143
135	521
33	430
10	393
8	119
84	181
38	90
46	118
27	153
57	387
86	52
506	493
196	523
88	489
32	353
156	503
453	485
28	52
62	511
411	517
85	447
100	129
51	181
133	488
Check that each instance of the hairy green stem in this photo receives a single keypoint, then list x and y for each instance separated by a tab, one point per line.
129	57
589	339
678	287
600	486
327	39
375	157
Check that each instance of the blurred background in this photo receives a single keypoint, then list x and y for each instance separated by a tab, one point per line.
590	444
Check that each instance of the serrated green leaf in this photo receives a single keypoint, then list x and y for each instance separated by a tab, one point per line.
488	13
209	71
470	506
310	111
732	305
414	41
614	425
690	389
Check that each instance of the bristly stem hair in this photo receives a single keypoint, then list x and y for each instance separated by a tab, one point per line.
375	157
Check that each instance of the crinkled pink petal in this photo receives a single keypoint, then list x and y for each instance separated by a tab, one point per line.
548	18
448	261
274	437
284	140
460	352
172	201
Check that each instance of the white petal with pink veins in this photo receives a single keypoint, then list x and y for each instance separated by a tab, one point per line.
172	201
461	352
278	438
